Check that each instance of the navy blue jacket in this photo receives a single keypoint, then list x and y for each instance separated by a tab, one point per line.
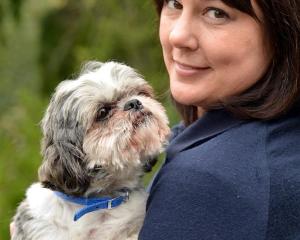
224	178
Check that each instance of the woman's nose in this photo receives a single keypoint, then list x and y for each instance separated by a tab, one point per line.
182	34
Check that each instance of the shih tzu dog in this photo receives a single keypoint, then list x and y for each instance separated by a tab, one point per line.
101	132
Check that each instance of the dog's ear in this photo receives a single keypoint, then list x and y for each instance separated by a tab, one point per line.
64	169
64	165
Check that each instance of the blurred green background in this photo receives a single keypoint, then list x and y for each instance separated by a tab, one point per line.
43	42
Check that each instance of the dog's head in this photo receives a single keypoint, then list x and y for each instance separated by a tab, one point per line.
100	130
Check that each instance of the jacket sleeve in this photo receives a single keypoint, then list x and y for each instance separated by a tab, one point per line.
201	206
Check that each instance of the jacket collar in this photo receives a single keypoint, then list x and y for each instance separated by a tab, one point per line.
209	125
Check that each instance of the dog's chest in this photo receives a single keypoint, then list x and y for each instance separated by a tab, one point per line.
105	225
57	216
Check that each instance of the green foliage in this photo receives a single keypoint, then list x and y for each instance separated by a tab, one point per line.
16	8
45	42
20	158
113	30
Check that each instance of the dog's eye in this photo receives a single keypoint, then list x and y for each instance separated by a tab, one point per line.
103	113
144	93
96	168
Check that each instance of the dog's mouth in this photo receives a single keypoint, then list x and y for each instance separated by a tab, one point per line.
140	118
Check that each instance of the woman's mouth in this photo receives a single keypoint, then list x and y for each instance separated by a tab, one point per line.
188	70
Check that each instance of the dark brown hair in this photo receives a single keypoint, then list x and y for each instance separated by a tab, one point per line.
279	89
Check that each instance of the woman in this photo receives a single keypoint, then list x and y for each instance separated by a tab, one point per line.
233	167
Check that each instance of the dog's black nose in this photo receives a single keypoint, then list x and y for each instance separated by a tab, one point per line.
133	104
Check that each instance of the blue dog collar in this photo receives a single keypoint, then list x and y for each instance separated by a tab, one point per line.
93	204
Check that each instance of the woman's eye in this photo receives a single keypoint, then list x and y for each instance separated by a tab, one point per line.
173	4
216	14
103	113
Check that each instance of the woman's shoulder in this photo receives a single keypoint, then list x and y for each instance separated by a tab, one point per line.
235	153
238	143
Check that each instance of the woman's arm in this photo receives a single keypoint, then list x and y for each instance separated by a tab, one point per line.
204	207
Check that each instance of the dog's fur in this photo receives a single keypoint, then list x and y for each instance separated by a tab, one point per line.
96	141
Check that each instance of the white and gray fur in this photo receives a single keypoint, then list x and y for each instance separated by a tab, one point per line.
90	154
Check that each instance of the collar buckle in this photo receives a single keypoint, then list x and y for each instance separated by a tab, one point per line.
126	197
109	204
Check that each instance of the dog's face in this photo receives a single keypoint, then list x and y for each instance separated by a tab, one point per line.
100	130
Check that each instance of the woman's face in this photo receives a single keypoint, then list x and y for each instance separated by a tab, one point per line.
211	51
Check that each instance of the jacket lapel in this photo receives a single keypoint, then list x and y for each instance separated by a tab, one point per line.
211	124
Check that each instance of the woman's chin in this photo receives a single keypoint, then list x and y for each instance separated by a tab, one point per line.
185	96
